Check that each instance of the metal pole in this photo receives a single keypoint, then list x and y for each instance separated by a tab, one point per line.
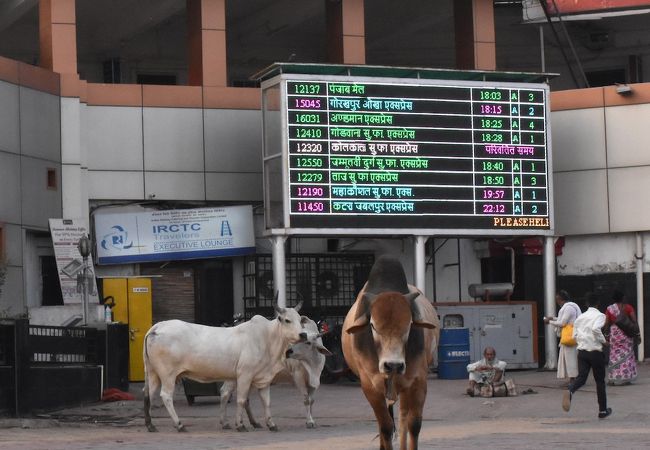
420	264
549	302
84	289
639	255
279	270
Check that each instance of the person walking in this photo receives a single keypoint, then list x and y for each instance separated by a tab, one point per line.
622	362
587	331
567	362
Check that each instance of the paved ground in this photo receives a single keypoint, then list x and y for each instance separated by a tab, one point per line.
451	420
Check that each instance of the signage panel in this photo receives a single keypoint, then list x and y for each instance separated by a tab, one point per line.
448	157
174	234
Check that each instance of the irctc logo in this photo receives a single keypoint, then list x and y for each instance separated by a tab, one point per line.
117	239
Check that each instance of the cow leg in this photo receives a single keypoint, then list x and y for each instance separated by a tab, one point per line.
384	420
411	413
151	385
309	401
249	413
265	396
243	388
167	396
224	397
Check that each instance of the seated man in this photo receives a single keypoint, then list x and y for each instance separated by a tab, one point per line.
487	371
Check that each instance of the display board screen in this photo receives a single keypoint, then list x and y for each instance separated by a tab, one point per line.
364	154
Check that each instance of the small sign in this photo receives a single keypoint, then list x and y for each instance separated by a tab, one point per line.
65	238
140	290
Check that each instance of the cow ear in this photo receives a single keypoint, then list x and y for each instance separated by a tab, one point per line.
418	319
423	324
304	319
359	324
323	350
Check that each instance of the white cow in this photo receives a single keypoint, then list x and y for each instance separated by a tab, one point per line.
303	367
250	353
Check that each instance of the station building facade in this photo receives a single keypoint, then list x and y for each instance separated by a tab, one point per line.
122	112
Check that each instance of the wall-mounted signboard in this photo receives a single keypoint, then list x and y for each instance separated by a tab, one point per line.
167	235
405	156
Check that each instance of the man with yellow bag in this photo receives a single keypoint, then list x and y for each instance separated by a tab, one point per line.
567	363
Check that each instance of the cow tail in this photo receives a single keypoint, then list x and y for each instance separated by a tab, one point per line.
145	389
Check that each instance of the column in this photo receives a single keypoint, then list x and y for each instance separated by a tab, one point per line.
206	27
549	302
58	35
279	269
475	41
346	34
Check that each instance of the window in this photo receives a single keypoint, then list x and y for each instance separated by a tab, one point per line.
160	79
51	179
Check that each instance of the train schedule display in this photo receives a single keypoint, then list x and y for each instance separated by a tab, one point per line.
416	156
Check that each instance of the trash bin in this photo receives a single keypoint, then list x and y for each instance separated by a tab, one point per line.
116	366
453	353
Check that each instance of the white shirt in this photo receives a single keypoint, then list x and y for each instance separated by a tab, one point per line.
488	375
567	314
587	330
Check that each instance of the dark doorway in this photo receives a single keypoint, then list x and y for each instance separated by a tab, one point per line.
52	295
214	305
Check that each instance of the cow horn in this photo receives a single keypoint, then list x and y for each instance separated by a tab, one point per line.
298	306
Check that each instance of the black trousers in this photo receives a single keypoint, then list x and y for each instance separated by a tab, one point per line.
597	363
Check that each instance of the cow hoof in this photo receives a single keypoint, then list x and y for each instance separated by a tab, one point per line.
311	425
152	428
242	428
226	426
273	427
181	428
256	425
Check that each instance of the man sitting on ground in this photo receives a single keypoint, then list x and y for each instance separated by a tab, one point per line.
486	371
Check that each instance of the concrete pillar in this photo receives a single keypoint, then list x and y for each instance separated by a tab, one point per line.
475	35
549	302
206	27
346	32
58	35
419	252
279	269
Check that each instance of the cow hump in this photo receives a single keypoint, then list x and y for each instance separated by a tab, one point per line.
387	274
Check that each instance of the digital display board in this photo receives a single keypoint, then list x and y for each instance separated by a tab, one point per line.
443	157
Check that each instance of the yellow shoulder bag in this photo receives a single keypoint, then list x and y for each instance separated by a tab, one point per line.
566	336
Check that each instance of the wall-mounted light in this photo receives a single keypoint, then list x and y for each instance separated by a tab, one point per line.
623	89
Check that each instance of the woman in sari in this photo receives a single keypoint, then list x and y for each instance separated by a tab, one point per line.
622	362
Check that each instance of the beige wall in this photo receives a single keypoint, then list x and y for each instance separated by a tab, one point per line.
601	160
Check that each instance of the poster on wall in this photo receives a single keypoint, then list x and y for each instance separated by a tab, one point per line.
65	239
174	234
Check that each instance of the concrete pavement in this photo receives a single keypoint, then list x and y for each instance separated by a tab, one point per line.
451	420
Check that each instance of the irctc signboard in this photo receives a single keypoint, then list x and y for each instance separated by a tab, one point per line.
405	156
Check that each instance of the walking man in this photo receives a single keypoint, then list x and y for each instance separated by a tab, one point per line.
587	331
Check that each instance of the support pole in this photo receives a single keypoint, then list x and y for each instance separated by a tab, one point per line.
279	269
639	290
420	264
549	302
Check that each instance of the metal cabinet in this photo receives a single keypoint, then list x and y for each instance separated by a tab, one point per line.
509	327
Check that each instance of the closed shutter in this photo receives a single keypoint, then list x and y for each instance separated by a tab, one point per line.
173	292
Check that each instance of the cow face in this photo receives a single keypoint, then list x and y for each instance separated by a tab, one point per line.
305	350
390	316
290	323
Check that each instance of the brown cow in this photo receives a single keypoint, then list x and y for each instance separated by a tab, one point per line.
389	336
